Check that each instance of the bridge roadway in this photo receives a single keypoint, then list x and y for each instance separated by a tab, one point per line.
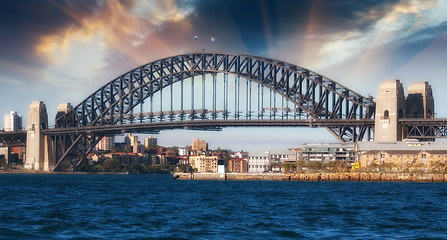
155	127
416	127
13	139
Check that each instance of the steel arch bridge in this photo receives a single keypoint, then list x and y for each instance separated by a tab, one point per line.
202	95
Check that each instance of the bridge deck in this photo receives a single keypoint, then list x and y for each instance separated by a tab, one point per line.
424	121
208	125
13	138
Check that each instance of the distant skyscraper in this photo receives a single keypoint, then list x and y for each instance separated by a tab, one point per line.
107	143
13	121
199	145
150	142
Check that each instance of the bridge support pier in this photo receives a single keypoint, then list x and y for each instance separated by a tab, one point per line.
390	106
39	150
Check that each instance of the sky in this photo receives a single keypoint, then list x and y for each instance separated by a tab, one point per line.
62	51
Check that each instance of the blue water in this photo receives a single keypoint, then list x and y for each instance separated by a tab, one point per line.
157	207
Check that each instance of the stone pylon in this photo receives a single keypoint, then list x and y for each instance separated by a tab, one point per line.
390	106
420	101
39	148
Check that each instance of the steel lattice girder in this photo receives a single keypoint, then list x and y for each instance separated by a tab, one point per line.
425	128
13	139
73	149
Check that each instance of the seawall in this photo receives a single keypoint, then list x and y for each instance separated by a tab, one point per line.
348	177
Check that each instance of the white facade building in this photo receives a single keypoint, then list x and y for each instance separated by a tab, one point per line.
183	152
13	121
326	152
258	162
272	160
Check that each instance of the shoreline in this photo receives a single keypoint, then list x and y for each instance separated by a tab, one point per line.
24	171
316	177
307	177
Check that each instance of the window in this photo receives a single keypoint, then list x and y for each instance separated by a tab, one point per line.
382	158
386	114
424	158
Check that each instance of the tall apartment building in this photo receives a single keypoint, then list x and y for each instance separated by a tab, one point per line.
150	142
107	143
132	141
199	145
13	121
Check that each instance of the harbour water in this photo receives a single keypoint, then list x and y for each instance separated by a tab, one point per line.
52	206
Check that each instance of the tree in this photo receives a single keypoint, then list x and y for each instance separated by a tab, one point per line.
288	167
174	149
152	150
135	168
3	163
112	165
184	168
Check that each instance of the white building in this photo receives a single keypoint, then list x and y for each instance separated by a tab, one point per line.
270	160
258	162
183	152
13	121
326	152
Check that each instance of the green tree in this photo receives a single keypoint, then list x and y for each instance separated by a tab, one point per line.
184	168
112	165
288	167
3	162
135	168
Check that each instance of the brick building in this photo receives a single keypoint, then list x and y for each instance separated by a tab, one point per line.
237	165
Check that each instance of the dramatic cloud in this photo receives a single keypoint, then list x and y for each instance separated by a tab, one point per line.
398	23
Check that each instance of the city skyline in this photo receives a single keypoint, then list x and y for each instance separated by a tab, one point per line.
63	51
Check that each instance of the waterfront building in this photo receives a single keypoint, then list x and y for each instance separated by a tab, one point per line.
220	166
198	145
258	162
402	155
204	163
283	155
150	142
106	143
238	165
326	152
13	121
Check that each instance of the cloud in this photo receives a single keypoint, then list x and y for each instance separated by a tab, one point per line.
396	24
42	35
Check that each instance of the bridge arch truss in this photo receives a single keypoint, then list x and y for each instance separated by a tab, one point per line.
264	92
307	94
